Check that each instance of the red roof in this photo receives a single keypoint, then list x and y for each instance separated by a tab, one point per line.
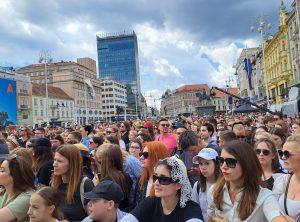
198	87
53	92
220	94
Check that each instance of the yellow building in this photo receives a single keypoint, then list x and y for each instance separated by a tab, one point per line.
278	70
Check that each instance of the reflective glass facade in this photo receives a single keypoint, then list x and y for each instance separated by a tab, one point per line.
118	58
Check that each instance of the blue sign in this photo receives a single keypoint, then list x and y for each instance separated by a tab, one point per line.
8	102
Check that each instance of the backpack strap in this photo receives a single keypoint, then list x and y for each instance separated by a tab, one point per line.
285	194
82	190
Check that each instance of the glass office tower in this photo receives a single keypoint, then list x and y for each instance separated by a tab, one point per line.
118	60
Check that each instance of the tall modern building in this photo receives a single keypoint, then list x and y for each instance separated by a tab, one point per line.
118	60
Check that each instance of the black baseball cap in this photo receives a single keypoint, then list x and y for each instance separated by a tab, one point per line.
41	142
108	190
3	152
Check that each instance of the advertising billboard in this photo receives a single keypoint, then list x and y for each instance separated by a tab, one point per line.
8	102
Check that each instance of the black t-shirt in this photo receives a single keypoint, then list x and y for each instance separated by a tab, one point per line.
150	209
44	174
75	210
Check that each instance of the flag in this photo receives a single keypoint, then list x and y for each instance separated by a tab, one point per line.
90	85
248	69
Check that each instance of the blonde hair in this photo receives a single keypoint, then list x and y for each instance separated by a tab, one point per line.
294	138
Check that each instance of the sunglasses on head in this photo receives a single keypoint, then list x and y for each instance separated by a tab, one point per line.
144	154
263	151
163	180
230	162
286	154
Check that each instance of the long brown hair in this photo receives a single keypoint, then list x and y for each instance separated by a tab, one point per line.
22	174
51	198
157	151
41	155
71	153
110	165
252	173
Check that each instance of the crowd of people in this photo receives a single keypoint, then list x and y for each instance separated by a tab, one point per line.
196	169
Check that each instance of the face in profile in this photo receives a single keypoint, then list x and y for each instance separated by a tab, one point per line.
38	210
60	164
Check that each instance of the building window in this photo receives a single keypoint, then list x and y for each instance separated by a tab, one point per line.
42	113
35	101
41	102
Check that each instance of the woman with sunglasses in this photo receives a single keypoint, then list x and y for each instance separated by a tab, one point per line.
209	173
238	196
286	187
172	201
268	157
152	153
17	185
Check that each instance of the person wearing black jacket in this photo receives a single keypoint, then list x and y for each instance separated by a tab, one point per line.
42	161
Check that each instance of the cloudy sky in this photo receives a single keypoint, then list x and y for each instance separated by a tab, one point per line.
180	41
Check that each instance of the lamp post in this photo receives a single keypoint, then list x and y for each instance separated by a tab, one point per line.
261	26
45	57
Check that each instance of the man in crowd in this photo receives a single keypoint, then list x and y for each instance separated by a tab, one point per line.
39	132
85	131
225	137
104	201
165	136
206	133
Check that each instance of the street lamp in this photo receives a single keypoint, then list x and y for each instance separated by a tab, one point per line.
45	56
261	26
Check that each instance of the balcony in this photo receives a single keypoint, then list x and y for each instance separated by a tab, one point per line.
24	106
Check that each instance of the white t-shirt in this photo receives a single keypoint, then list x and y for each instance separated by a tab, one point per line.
293	206
201	198
266	209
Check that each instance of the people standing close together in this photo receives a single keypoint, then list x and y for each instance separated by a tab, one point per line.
194	169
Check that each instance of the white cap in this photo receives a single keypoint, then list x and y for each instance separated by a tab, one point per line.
207	154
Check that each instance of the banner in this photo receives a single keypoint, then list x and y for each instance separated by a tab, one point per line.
248	69
8	102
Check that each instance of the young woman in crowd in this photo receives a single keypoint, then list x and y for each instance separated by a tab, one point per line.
67	179
23	153
17	182
111	140
95	142
12	144
172	201
135	147
44	206
238	195
268	157
114	131
286	187
109	160
278	135
42	157
133	134
152	153
56	141
209	173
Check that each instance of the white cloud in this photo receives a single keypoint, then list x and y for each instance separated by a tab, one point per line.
164	68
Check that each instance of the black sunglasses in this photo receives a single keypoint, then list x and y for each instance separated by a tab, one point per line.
286	154
165	125
144	154
230	162
241	137
263	151
163	180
